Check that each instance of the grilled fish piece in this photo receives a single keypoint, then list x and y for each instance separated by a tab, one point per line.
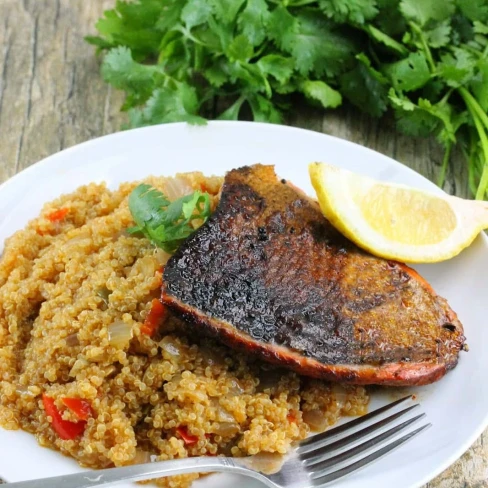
268	273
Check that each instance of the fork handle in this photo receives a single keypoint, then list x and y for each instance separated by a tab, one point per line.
140	472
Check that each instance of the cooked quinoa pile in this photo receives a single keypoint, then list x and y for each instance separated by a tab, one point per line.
80	371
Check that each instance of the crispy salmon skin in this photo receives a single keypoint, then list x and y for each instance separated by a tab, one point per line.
268	273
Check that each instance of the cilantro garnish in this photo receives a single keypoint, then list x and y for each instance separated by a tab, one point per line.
166	224
425	61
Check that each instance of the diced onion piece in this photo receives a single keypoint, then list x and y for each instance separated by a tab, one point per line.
161	256
119	334
236	387
80	365
225	429
340	395
315	419
267	462
145	266
141	457
72	340
149	265
176	187
221	414
170	346
23	390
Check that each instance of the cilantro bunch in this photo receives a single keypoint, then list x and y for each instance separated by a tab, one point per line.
424	60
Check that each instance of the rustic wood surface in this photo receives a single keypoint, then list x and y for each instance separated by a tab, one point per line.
52	97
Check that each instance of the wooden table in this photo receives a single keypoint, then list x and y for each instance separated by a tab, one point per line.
52	97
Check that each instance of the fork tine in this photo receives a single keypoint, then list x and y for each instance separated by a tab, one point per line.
352	468
341	431
325	451
345	458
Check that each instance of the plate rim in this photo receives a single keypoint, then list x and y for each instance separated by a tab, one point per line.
64	153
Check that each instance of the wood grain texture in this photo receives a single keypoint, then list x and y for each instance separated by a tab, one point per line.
52	97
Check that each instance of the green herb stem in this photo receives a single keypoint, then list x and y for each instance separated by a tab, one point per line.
300	3
430	60
470	157
473	103
483	184
445	162
374	33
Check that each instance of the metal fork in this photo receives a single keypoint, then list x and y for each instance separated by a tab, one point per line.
315	462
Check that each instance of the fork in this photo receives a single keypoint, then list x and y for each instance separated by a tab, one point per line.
315	462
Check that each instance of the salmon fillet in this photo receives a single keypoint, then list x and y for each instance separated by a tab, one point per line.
269	274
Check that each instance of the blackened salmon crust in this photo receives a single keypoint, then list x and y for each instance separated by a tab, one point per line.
268	273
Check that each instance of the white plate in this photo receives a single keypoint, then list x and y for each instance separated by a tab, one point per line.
457	405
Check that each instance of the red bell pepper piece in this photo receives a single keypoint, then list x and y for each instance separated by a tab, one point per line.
291	417
154	318
81	408
65	429
188	439
58	215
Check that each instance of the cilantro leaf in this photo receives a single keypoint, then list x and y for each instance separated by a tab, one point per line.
216	74
476	10
240	49
232	112
480	28
253	21
99	42
144	203
410	119
283	28
355	11
462	30
277	66
166	224
223	32
422	11
264	110
132	25
249	77
440	35
196	12
315	44
365	87
390	19
457	68
120	70
226	10
322	93
168	104
170	14
426	118
410	73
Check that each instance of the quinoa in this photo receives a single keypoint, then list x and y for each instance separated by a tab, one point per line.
75	291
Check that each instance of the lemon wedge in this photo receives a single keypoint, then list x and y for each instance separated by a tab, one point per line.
395	221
